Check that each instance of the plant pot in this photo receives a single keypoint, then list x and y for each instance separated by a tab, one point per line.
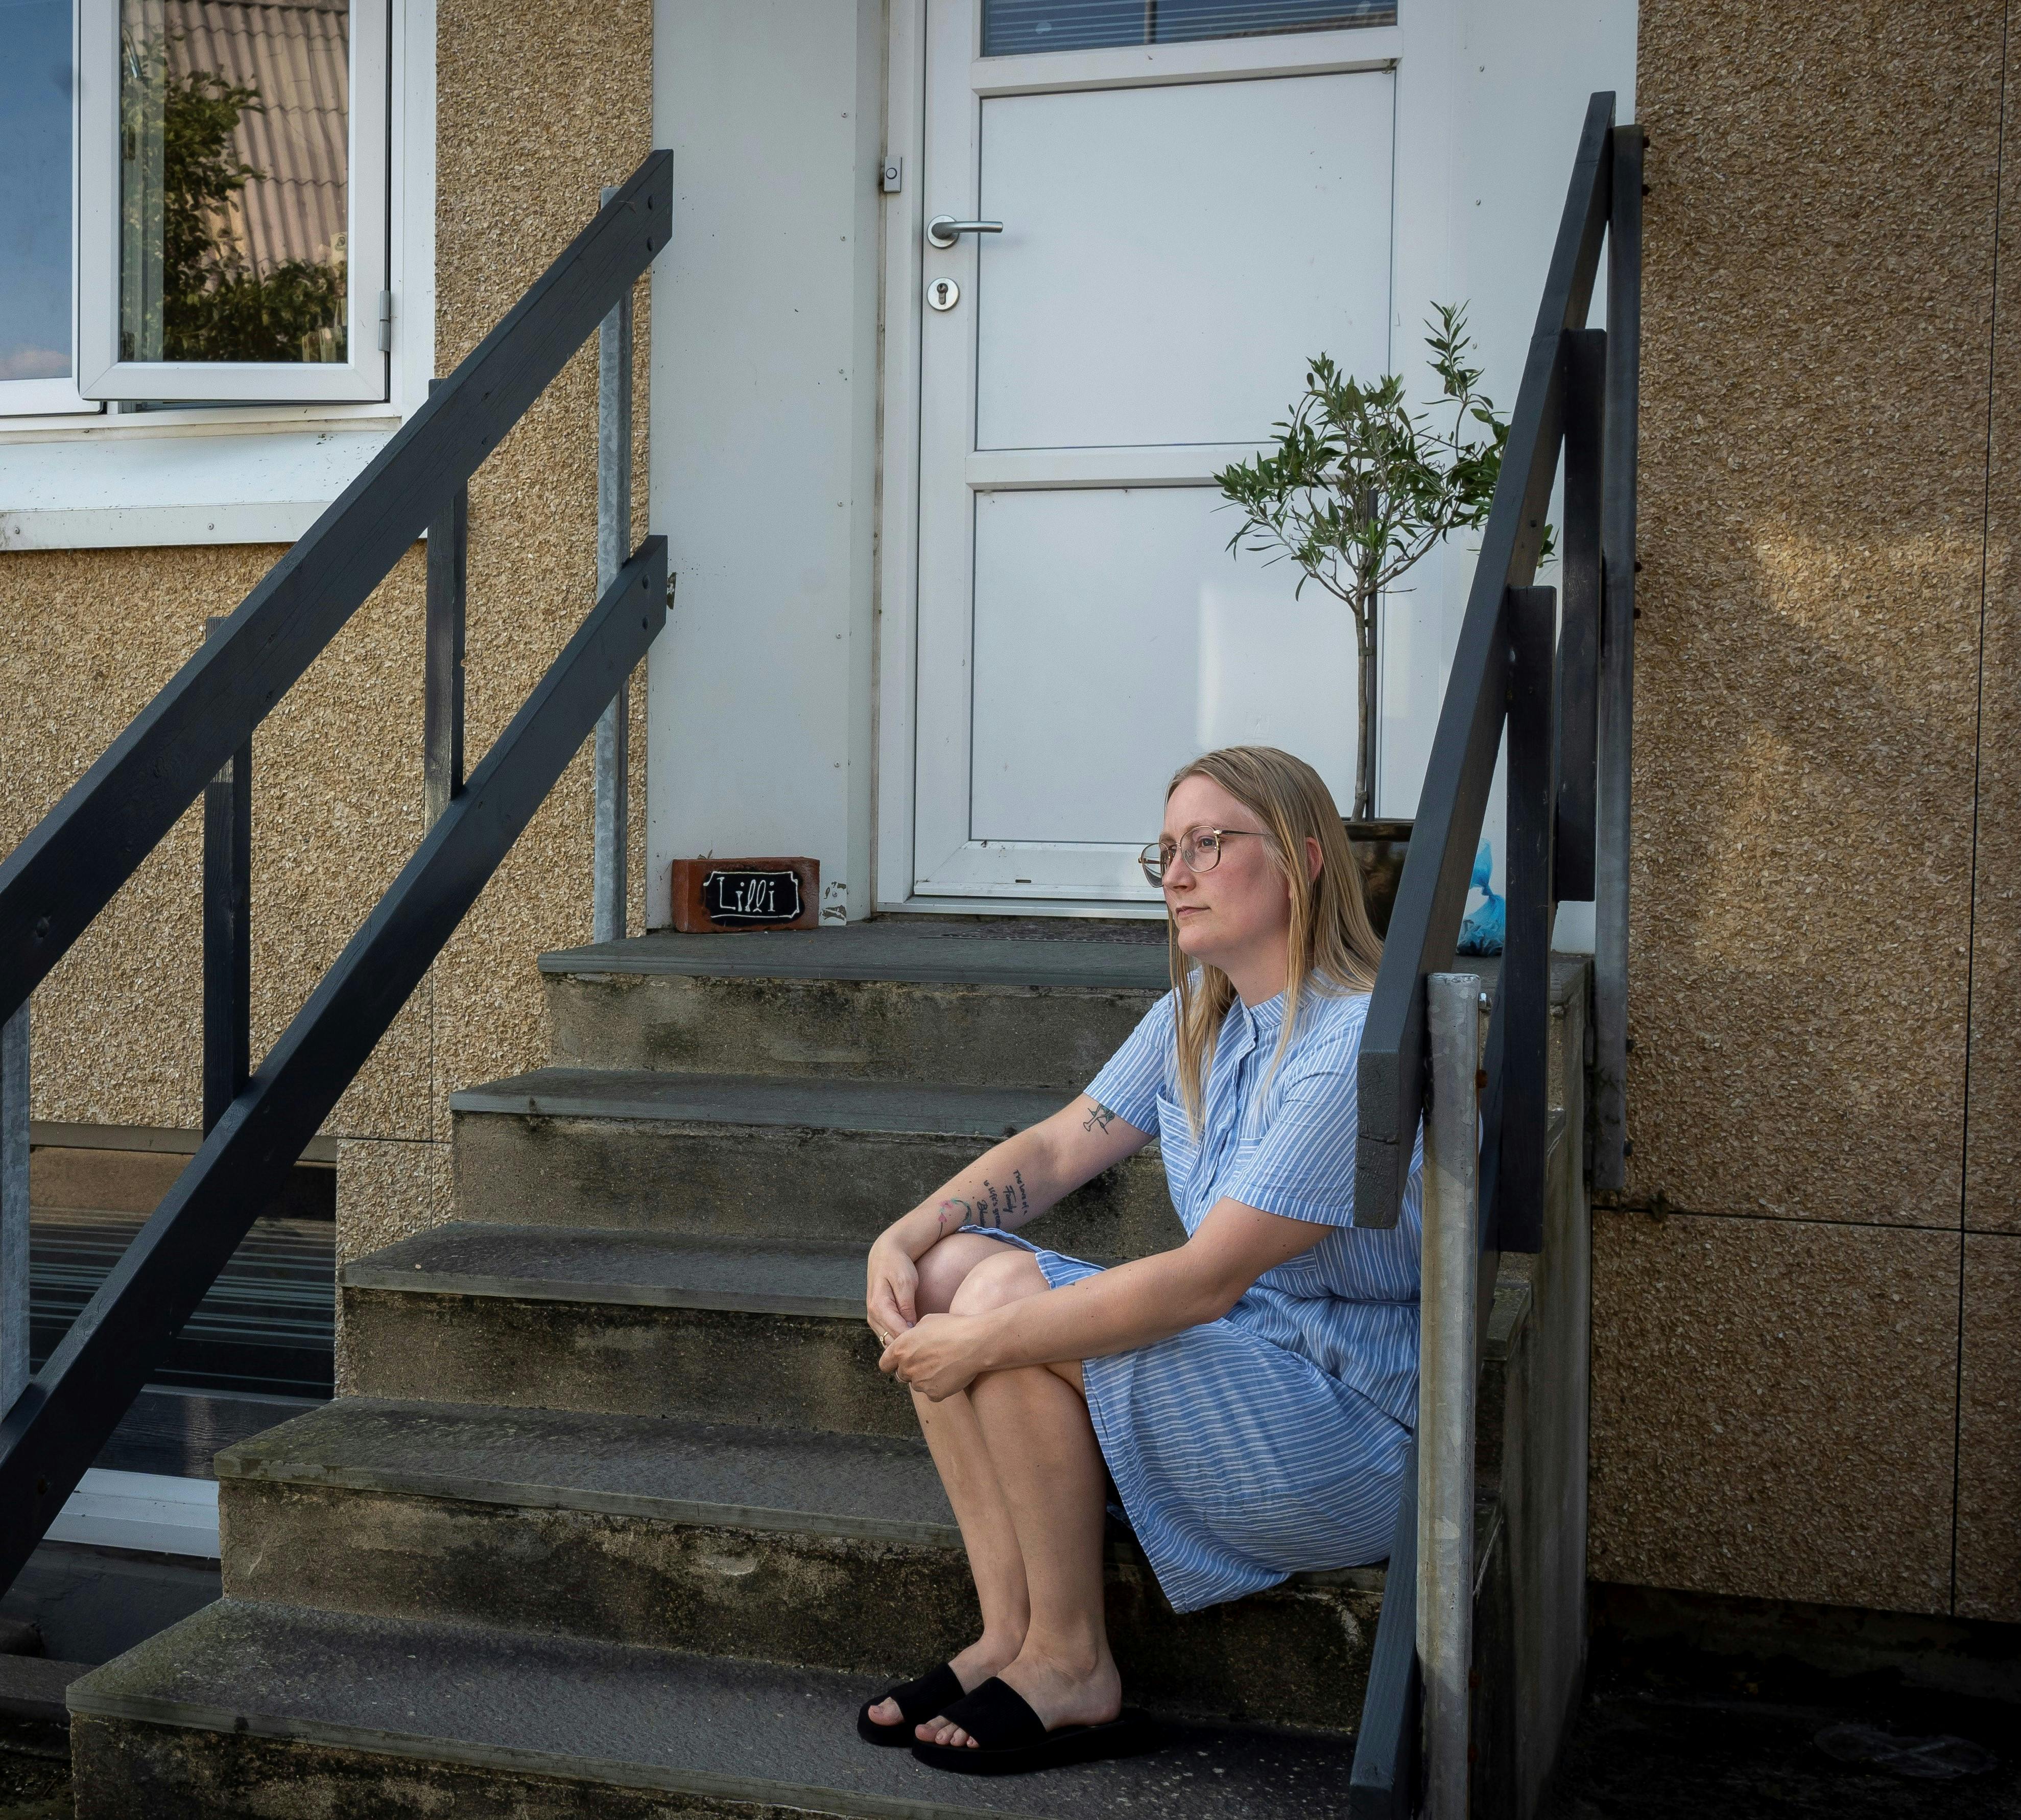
1380	847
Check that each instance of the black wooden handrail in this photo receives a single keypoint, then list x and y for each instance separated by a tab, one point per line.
1560	685
1431	896
59	878
85	848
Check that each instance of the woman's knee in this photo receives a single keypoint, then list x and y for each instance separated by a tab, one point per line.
947	1266
1009	1277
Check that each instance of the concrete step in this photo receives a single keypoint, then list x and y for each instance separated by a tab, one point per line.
830	1550
763	1331
1037	1002
764	1157
338	1714
33	1720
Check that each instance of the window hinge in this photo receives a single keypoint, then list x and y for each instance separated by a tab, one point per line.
385	322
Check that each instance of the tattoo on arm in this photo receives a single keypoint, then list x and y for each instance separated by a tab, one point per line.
953	1212
992	1214
1023	1200
1099	1114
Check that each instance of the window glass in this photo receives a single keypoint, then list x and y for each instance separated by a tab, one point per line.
234	169
35	189
1010	27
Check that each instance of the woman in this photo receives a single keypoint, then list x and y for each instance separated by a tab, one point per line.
1249	1393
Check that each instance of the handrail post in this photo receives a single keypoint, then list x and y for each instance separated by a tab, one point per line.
1615	766
1578	633
1522	1001
444	644
1388	1750
1447	1374
614	536
13	1208
228	928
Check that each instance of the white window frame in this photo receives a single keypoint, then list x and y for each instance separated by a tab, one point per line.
101	373
120	478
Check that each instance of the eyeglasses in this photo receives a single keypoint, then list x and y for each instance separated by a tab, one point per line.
1200	847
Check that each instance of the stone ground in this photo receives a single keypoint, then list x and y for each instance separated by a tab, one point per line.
1663	1736
1667	1735
33	1787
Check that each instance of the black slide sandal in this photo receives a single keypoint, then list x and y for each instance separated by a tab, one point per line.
927	1698
1012	1740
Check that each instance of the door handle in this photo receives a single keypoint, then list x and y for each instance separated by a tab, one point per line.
944	230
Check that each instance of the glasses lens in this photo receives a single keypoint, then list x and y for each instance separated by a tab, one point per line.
1203	850
1153	860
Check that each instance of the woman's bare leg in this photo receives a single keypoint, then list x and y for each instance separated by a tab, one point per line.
1040	1446
957	1446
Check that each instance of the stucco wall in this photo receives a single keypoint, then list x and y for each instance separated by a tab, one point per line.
534	113
1828	837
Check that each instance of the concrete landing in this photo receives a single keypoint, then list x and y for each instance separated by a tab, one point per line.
560	1725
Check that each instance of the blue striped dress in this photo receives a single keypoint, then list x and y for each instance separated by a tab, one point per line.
1270	1441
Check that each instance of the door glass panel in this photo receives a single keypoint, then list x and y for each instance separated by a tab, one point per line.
235	125
1115	639
35	190
1012	27
1171	257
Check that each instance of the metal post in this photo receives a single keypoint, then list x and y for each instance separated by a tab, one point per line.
13	1208
613	538
227	929
1578	627
1523	999
1447	1369
1617	674
442	691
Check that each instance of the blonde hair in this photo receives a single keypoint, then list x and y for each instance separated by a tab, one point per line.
1333	947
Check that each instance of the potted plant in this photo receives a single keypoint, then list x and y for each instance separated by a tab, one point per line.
1358	489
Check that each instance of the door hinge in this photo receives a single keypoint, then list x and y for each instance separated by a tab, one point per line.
893	179
385	322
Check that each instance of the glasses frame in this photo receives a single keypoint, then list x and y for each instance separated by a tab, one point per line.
1152	857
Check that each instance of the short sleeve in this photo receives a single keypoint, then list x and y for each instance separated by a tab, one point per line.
1132	1079
1302	1166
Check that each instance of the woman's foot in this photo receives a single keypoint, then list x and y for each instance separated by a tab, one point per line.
1088	1692
985	1657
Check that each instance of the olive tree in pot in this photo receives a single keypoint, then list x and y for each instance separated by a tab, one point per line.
1359	488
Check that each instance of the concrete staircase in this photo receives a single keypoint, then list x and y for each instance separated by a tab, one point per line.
626	1523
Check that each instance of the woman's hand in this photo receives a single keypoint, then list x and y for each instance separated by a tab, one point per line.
892	1295
940	1356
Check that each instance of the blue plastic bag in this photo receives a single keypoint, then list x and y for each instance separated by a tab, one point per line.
1481	933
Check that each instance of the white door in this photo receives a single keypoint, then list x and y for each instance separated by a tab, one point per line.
1183	227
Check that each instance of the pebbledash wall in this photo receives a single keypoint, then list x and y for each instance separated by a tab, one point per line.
533	113
1807	1318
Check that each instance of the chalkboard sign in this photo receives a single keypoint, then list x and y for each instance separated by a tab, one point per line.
721	895
745	897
